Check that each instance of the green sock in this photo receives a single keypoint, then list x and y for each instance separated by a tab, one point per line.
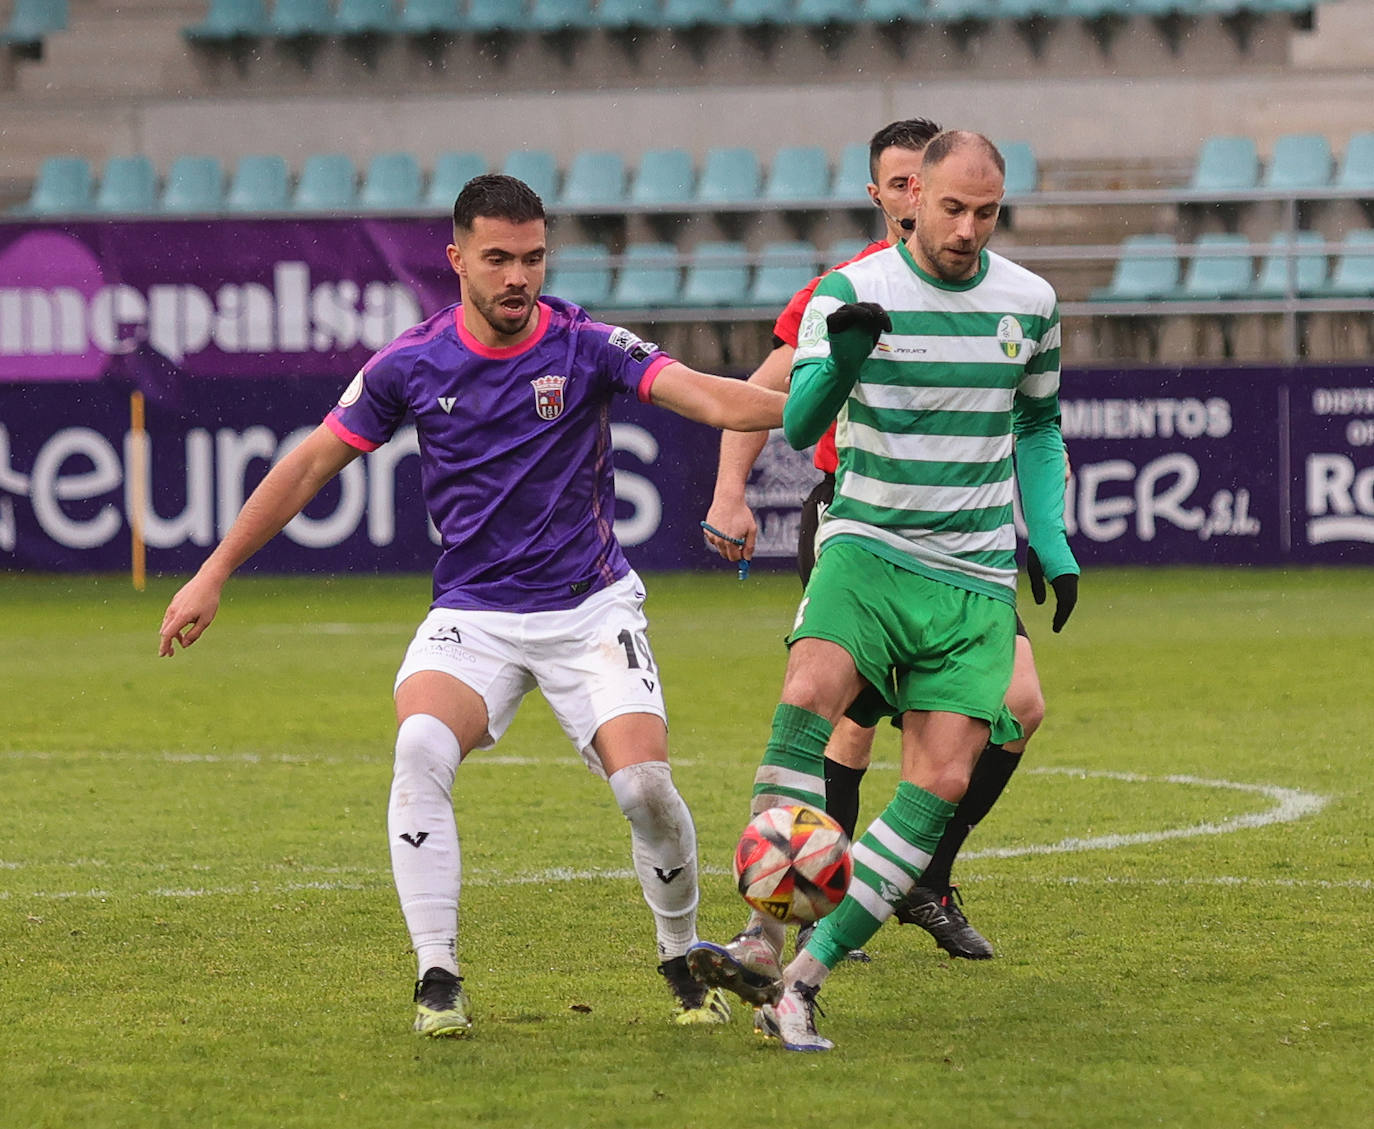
793	767
888	861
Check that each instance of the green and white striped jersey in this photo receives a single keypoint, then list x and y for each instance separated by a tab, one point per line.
925	435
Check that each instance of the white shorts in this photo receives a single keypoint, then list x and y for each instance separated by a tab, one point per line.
591	663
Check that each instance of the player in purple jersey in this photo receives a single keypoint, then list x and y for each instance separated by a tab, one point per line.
510	394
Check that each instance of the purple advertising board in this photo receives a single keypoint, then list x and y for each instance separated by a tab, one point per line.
241	334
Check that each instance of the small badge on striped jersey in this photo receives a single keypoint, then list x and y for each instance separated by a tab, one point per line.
1010	336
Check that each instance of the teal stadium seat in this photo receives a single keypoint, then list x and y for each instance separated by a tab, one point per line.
1300	160
783	269
959	11
493	17
430	17
328	183
537	168
194	186
1356	172
1226	164
842	250
356	19
64	186
801	172
128	186
260	184
649	277
301	19
1146	271
581	274
664	177
392	184
227	21
851	176
717	275
1353	274
559	15
687	15
1209	277
595	178
31	21
1308	270
452	171
729	176
892	11
820	13
628	15
1023	172
760	13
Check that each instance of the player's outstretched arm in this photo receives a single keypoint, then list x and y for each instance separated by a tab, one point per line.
279	497
717	401
739	450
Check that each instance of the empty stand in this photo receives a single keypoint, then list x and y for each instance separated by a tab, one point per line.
195	184
718	275
1226	164
451	172
1353	274
649	276
729	176
363	18
851	175
537	168
559	15
228	21
1147	270
783	269
664	177
64	186
328	183
1300	160
595	179
128	185
1023	171
798	173
392	183
1356	172
260	184
628	15
1210	276
1281	274
430	18
301	19
30	22
581	274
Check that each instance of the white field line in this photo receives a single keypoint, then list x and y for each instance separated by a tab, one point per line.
1289	804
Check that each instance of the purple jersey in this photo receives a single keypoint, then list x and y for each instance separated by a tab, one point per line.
515	450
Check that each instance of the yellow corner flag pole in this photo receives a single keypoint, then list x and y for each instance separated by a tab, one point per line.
138	481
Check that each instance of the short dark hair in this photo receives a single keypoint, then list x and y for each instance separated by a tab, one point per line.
951	141
496	196
909	133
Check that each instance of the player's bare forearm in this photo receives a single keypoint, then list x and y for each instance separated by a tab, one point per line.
717	401
278	498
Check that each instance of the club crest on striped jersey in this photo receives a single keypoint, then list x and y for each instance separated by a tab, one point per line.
548	395
1010	336
812	329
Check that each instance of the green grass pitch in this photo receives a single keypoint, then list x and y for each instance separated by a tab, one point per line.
198	928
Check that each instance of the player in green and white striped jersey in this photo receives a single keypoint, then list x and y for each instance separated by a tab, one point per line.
933	356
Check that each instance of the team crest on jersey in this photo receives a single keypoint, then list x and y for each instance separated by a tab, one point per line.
353	392
812	331
548	396
1010	337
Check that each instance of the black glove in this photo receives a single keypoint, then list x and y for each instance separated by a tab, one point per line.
1065	589
854	329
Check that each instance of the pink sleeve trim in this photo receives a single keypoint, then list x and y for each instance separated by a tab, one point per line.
353	439
646	382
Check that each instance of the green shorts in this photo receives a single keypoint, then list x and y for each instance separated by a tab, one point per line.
921	644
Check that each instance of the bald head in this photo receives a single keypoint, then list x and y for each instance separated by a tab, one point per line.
958	197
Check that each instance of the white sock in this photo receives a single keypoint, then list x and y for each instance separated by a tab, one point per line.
425	858
663	843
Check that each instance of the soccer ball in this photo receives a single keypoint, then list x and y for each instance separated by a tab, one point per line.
793	863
